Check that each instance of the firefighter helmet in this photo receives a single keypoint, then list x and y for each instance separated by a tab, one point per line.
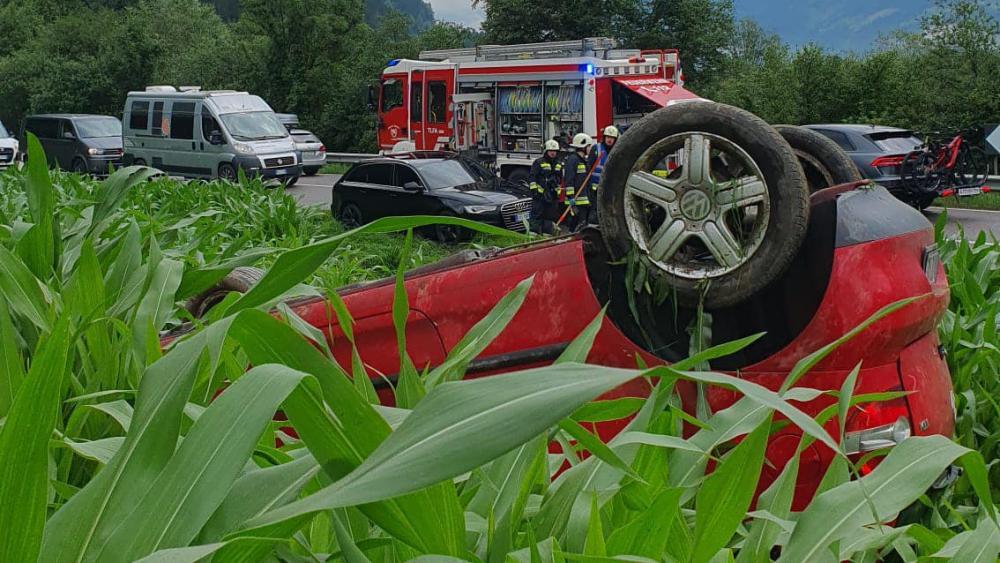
581	141
552	145
611	131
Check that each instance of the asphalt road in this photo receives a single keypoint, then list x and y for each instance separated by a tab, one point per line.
315	190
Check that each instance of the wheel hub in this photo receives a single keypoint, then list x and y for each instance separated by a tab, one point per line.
696	205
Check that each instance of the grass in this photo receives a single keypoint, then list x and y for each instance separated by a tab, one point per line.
334	168
112	449
988	201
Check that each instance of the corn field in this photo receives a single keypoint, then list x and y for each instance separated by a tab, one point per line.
114	449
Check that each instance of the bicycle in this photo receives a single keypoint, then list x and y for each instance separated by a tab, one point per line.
940	168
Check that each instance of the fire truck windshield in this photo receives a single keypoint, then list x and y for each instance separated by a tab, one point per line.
254	126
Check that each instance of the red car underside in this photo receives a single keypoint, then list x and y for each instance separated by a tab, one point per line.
864	250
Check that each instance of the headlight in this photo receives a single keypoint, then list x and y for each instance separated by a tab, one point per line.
92	152
243	148
479	209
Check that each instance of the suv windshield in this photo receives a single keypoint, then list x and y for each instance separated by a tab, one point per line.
97	127
451	172
254	126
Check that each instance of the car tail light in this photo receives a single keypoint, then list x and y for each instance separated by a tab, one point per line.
322	148
877	426
888	161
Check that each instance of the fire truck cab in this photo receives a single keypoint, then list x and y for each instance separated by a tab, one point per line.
500	103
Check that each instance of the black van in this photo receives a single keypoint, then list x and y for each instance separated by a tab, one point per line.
81	143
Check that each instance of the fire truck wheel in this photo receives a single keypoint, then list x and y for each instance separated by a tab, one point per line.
711	197
240	280
823	161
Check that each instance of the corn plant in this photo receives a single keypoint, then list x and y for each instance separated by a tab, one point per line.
115	450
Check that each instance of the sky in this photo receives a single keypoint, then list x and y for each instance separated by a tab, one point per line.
459	11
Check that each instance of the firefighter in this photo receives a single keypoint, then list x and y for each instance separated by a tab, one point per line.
543	182
608	140
578	170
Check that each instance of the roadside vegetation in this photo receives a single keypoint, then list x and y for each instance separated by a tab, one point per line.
112	449
989	201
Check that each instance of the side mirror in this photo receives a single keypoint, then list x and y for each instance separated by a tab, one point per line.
69	135
413	187
215	138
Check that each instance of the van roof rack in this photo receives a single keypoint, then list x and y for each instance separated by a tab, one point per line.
598	47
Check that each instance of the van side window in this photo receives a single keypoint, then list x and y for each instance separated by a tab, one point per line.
182	120
208	125
43	128
139	119
437	101
66	126
158	118
392	94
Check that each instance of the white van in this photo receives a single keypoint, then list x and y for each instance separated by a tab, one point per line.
207	134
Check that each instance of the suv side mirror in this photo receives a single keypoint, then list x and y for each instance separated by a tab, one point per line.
215	138
413	187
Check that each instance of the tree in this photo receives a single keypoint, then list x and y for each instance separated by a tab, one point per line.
700	29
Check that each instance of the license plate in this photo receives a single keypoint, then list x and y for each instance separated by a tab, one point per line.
280	172
969	191
522	217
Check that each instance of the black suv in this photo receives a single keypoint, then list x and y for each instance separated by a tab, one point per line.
428	184
81	143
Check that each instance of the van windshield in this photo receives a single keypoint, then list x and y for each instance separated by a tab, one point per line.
254	126
97	127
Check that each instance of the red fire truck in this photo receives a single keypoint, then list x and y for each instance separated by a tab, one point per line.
500	103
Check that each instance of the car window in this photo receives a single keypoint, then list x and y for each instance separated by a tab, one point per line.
98	127
392	94
447	173
182	120
895	141
371	174
405	174
158	118
839	138
65	126
139	118
209	125
43	128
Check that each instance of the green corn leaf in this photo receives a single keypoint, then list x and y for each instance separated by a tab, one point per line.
195	481
646	535
595	446
409	390
196	280
38	245
579	348
980	545
595	546
444	435
113	191
479	336
101	451
11	362
22	290
844	400
659	441
359	374
909	470
613	409
24	442
777	500
723	500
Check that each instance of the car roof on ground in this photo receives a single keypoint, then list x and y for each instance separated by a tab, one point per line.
855	127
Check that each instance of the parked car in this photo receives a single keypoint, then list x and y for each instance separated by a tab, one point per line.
878	153
311	151
428	184
208	134
289	120
88	144
8	148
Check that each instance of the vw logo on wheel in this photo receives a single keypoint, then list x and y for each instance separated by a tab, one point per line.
695	205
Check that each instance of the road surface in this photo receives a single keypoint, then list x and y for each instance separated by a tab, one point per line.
315	190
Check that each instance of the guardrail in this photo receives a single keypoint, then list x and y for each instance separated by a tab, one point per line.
346	157
993	182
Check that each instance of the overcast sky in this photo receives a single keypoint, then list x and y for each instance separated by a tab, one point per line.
459	11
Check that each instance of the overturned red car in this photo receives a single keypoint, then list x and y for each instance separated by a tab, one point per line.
732	231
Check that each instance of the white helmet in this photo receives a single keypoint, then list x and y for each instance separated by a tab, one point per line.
581	141
611	131
551	145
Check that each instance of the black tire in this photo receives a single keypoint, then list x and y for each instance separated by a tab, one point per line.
228	173
450	234
788	197
289	182
80	166
139	162
311	171
240	280
919	174
824	163
351	215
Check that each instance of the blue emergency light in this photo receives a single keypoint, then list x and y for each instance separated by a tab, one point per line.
588	68
393	62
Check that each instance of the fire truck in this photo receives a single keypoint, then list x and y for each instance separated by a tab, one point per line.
500	103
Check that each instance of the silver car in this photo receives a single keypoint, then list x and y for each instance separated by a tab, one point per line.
8	148
311	151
